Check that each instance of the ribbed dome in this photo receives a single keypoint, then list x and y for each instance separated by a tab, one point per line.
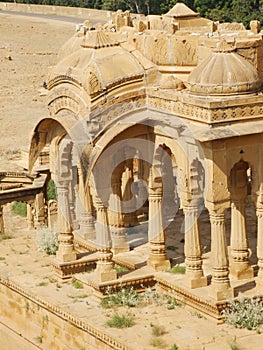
224	72
98	63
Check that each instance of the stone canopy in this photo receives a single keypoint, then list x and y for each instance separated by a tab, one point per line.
151	118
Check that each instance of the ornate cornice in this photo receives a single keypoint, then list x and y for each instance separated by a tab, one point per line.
207	111
61	79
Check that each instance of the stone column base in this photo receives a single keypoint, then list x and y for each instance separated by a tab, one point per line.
87	235
161	265
121	249
66	257
105	273
196	282
241	272
221	294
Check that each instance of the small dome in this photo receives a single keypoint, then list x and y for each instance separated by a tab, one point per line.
224	72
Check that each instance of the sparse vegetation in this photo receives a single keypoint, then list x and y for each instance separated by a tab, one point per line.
77	284
52	279
6	236
19	208
157	343
234	346
80	296
177	269
174	347
131	298
42	284
121	321
39	339
123	297
244	313
26	306
171	302
47	241
157	331
120	269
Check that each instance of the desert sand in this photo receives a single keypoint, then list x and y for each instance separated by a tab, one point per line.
28	47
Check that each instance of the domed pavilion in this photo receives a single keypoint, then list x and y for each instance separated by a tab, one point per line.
155	129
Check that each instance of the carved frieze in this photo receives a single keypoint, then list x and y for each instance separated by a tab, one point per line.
207	113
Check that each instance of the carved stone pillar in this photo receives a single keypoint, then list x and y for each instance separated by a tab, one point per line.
117	229
65	251
239	264
30	216
156	232
86	219
2	226
192	248
239	267
220	285
72	200
40	210
259	279
105	267
129	200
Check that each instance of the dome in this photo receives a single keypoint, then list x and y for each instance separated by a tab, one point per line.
181	10
97	63
224	72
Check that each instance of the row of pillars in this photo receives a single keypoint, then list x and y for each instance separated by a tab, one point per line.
36	213
110	235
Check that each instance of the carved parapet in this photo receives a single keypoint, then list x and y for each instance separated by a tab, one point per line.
68	269
43	304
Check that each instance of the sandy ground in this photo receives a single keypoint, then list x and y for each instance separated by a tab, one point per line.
28	46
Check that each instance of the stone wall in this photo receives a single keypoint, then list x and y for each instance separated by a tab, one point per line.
46	326
57	10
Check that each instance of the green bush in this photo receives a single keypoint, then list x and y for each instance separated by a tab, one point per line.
19	208
244	313
177	269
77	284
121	321
120	269
51	190
174	347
